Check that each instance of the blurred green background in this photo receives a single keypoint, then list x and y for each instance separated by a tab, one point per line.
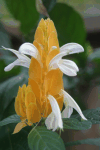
75	21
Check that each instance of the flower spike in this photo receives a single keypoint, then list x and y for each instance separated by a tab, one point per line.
44	95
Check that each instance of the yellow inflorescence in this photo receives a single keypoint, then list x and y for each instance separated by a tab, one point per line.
31	102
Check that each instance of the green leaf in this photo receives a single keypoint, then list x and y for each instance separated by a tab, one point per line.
92	115
25	12
49	4
44	139
10	110
9	141
95	56
71	123
11	119
6	57
70	25
4	61
4	40
95	141
9	89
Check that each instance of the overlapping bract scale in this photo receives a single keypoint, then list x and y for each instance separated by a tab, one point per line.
54	82
35	70
20	102
26	106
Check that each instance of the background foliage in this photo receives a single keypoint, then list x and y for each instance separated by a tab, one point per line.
70	28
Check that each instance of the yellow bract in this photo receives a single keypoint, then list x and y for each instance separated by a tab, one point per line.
31	103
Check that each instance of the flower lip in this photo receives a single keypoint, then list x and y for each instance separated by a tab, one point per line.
57	58
21	61
69	101
50	121
68	67
18	62
72	48
29	49
17	53
66	113
70	64
56	111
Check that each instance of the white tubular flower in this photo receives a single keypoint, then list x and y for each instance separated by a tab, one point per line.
54	120
70	103
68	67
26	48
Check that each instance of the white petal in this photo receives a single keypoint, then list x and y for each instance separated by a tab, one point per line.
54	47
67	71
54	62
56	112
51	122
29	49
69	101
68	67
18	54
66	113
18	62
70	64
72	48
